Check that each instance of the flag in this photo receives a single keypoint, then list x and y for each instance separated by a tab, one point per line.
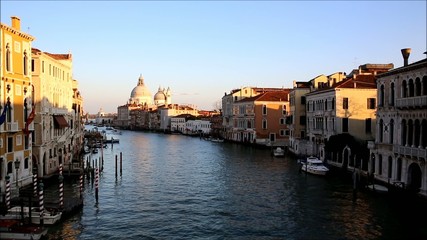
3	114
29	120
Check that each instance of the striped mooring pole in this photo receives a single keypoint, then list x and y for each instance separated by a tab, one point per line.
35	185
61	188
41	203
96	184
7	192
81	186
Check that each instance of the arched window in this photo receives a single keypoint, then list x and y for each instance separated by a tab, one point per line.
410	132
404	132
411	88
381	130
404	90
380	164
417	133
326	104
417	87
8	58
392	94
424	133
399	169
390	166
424	85
391	131
381	103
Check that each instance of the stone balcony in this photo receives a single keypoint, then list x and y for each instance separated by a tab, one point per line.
412	102
408	151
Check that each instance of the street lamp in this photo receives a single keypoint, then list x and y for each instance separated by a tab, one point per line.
17	163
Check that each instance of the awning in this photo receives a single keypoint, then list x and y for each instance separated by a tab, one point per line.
60	121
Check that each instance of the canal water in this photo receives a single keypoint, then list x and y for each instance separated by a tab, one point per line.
180	187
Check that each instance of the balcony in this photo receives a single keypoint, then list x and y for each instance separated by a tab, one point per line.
412	102
410	151
12	127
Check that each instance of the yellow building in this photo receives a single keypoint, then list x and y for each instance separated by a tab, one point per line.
56	111
16	102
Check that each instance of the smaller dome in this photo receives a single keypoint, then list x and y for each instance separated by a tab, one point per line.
159	96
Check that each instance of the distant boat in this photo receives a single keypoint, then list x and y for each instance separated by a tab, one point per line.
279	152
217	140
49	217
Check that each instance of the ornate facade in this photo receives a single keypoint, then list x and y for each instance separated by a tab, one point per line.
399	152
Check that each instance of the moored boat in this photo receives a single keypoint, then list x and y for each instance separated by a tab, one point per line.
12	229
279	152
50	217
314	165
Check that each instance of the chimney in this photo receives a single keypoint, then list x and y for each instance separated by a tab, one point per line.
405	54
16	23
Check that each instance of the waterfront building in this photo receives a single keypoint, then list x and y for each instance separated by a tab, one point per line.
58	112
399	152
103	118
261	119
344	110
165	113
178	122
228	101
197	127
16	106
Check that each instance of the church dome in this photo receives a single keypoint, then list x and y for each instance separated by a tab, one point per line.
140	94
159	95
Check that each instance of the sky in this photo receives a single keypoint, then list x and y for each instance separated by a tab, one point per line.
202	50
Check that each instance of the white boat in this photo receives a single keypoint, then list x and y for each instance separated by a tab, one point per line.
49	217
279	152
217	140
12	229
314	165
377	188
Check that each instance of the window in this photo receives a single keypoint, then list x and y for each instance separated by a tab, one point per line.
32	65
345	103
282	132
25	63
8	60
326	104
264	124
392	94
284	109
371	103
302	99
26	163
302	120
9	167
381	102
345	124
264	109
333	103
368	123
282	121
10	144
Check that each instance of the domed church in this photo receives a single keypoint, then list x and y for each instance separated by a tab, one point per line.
163	97
140	94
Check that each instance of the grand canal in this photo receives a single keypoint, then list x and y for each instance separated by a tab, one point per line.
179	187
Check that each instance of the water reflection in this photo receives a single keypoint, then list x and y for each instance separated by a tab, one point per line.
177	187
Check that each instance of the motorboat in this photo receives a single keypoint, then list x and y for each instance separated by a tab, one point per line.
378	188
219	140
279	152
13	229
50	217
314	165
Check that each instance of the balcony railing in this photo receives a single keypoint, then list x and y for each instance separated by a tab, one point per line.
412	102
12	127
410	151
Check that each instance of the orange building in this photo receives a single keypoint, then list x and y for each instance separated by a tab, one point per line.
262	119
